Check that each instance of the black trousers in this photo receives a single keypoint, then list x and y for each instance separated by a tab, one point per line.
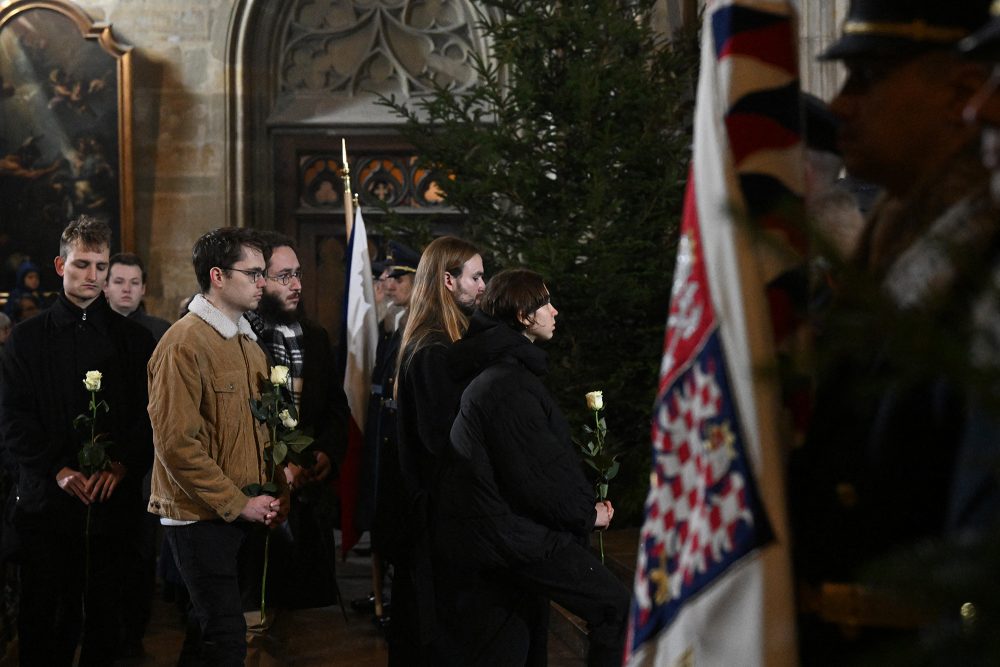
577	580
139	579
207	554
53	597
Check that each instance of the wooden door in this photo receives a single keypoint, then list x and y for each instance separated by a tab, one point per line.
309	204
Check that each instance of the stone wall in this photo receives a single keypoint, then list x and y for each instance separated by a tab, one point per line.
180	131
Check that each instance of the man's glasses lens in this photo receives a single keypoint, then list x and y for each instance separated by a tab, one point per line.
285	278
253	274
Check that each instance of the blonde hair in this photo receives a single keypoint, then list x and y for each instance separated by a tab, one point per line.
433	309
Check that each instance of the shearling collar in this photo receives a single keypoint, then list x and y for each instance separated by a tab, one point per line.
201	307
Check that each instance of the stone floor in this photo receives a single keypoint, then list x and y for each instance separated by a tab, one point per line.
324	637
310	637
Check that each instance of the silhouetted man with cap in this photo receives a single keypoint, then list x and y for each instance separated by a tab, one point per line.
381	446
875	473
975	498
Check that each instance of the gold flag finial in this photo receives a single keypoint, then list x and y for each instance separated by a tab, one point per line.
348	198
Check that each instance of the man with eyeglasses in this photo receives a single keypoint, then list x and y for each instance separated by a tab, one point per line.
874	474
209	446
291	339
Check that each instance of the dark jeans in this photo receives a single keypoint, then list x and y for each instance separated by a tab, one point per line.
207	554
576	579
51	612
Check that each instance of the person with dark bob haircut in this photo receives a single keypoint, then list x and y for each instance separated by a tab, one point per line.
515	509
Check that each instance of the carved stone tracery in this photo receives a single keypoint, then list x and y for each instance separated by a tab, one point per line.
402	47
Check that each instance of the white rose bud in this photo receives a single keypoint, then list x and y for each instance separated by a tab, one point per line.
279	376
595	400
287	419
93	381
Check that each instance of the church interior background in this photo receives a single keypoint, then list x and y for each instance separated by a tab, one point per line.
238	109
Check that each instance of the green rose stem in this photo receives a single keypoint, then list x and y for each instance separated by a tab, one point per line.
601	488
90	506
267	537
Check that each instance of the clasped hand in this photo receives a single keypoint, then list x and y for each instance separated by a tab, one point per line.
297	476
266	509
91	488
605	512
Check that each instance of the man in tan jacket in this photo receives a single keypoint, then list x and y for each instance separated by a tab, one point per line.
208	445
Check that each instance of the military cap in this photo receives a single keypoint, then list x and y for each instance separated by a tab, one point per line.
888	28
985	43
401	260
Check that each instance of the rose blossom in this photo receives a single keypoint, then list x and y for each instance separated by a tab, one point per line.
279	376
286	418
93	381
595	400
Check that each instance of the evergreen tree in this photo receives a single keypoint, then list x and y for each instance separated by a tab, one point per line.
569	157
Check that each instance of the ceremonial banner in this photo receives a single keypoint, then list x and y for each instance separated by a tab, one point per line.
361	336
713	578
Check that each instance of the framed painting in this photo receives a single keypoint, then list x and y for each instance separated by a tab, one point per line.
65	132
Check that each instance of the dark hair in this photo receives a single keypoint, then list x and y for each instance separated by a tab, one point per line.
272	240
89	232
127	259
513	294
221	248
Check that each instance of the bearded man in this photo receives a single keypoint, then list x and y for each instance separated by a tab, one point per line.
291	339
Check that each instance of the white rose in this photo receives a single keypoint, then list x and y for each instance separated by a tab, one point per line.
286	418
279	376
595	400
93	381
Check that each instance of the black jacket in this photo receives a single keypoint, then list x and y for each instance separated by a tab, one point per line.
514	490
379	486
45	363
323	404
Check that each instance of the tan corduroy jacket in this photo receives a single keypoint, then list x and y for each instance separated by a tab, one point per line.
208	445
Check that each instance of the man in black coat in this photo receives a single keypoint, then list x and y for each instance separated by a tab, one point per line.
73	526
125	288
307	577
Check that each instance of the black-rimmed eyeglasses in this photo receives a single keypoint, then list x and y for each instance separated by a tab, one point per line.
286	277
253	274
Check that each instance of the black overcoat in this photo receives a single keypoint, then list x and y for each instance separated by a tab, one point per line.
515	490
45	363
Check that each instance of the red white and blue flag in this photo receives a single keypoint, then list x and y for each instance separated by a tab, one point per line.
360	341
713	578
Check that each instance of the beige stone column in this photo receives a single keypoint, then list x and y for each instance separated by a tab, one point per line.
180	134
819	26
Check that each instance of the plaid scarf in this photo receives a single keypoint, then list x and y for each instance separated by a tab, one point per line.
284	342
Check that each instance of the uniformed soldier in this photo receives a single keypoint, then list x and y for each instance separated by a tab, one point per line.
876	471
378	487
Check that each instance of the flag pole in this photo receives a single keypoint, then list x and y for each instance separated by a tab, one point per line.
348	197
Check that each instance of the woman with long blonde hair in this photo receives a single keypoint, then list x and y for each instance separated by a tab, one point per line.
446	289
